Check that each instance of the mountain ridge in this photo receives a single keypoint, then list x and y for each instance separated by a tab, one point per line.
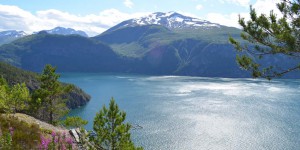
171	20
65	31
144	49
10	35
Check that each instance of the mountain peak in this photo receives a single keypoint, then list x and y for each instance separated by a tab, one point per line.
171	20
12	33
66	31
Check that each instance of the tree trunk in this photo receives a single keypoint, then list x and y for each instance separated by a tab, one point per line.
51	112
51	117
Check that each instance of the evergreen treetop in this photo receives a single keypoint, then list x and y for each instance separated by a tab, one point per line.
270	35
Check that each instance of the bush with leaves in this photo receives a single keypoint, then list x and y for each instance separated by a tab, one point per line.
59	141
13	99
16	134
74	122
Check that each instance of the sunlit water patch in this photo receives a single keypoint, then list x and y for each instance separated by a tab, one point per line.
192	113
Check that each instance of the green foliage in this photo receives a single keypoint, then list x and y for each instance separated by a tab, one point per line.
19	97
112	132
15	75
4	97
270	35
74	122
49	94
46	131
5	141
16	134
76	97
13	99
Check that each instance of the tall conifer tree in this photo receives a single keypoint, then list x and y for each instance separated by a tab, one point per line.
112	132
50	93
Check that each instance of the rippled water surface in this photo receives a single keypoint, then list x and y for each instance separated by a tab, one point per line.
192	113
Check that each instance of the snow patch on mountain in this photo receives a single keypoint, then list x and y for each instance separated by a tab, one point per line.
171	20
12	33
66	31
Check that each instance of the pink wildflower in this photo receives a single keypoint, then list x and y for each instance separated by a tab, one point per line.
11	130
44	143
53	134
69	140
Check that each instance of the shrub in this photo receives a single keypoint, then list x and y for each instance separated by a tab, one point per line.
56	141
22	135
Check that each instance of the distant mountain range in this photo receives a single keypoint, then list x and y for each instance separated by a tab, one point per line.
160	44
11	35
66	31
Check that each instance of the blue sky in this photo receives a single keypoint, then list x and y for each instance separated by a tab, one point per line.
95	16
84	7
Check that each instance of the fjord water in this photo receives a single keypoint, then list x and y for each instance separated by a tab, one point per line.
192	113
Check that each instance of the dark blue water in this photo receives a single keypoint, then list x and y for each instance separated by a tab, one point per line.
192	113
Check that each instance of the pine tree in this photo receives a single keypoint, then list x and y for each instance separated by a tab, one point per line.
270	36
50	94
74	122
112	132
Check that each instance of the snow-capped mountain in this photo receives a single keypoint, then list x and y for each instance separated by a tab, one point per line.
12	33
171	20
66	31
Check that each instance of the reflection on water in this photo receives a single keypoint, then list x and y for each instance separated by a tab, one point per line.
199	113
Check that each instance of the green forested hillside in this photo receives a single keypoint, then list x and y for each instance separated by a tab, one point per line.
138	40
147	49
13	75
68	53
159	50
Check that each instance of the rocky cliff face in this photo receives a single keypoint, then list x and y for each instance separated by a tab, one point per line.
77	97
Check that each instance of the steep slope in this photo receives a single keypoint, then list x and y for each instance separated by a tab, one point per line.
13	75
171	43
10	35
69	53
134	41
191	57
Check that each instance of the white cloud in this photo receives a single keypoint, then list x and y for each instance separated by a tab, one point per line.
244	3
12	17
223	19
128	3
199	7
15	18
188	14
261	7
265	6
